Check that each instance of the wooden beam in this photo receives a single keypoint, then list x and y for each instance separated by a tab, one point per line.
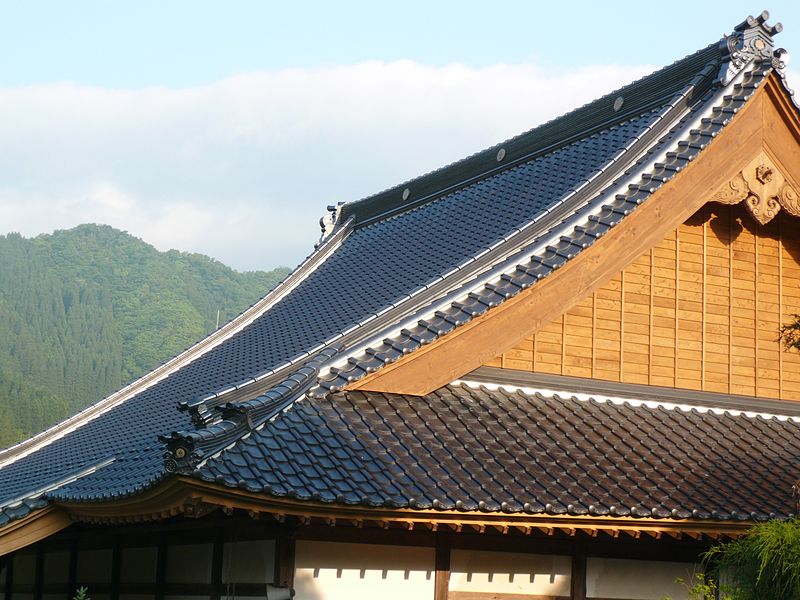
72	573
9	576
501	328
216	494
213	495
462	595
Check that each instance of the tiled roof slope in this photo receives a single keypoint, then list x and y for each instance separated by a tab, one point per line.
543	201
375	266
468	447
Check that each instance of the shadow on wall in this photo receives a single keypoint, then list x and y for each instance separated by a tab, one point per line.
729	222
476	572
343	571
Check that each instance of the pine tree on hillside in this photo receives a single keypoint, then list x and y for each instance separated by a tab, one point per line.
86	310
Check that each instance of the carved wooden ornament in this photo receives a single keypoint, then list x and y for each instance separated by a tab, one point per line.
763	189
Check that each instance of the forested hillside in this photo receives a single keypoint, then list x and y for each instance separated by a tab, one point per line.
84	311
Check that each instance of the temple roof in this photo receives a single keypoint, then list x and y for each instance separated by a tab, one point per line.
382	283
478	446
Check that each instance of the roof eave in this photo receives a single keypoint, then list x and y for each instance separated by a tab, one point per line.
195	498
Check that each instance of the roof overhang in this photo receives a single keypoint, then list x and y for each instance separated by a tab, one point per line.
194	498
30	529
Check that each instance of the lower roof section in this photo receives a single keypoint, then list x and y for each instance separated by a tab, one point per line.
477	447
504	454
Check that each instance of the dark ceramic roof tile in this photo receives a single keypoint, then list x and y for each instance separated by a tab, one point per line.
659	466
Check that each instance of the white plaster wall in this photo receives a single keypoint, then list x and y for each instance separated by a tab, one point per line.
509	573
337	571
637	579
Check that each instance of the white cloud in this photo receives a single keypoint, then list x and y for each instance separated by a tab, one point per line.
242	169
793	79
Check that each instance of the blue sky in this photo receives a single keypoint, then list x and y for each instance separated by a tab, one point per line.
226	127
185	43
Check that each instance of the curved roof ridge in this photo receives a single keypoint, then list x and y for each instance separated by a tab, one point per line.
187	449
636	97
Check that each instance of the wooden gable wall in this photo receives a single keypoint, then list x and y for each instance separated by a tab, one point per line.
701	311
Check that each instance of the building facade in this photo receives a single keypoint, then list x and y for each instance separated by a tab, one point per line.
549	371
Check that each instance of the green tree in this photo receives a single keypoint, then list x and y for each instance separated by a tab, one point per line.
764	564
84	311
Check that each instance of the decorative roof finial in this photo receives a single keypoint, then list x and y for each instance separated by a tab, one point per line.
328	221
751	40
759	23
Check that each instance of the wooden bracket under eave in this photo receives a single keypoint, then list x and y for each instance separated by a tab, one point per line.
767	126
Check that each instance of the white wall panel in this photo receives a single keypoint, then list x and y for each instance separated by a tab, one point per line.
474	572
637	579
336	571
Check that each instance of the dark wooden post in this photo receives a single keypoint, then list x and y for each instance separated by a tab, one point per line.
116	561
578	591
442	560
9	576
161	568
72	577
284	557
37	586
216	566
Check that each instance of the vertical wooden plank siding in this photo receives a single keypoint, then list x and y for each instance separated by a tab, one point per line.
700	311
780	304
690	319
608	325
790	304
